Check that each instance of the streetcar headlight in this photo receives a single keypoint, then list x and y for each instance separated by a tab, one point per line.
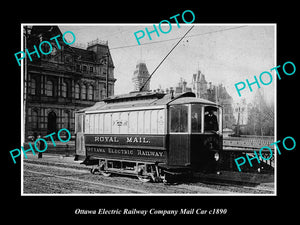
217	156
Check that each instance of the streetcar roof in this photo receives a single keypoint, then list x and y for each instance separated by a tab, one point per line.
191	100
139	100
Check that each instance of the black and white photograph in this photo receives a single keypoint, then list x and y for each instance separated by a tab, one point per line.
149	109
146	111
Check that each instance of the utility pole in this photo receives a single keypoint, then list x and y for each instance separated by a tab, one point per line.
25	83
107	71
238	122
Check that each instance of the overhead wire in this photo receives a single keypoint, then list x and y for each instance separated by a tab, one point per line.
171	39
165	58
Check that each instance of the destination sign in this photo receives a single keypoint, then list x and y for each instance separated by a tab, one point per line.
126	140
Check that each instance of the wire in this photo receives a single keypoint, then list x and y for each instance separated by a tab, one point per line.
171	39
165	58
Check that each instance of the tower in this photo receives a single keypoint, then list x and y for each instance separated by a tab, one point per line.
199	84
140	76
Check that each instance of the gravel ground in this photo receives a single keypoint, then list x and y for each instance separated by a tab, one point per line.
58	176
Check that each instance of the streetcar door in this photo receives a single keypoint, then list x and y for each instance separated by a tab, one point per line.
179	140
79	132
205	139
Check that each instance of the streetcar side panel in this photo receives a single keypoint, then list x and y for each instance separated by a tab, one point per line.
133	135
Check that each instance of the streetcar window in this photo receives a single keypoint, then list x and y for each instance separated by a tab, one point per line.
196	118
154	121
87	124
211	119
92	123
179	118
107	123
132	121
96	130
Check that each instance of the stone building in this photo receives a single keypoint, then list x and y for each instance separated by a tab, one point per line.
214	93
67	79
199	85
182	87
226	101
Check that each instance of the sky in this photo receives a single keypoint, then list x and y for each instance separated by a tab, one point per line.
225	53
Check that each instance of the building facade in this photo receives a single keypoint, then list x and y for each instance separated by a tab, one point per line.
182	87
199	85
214	93
66	80
226	101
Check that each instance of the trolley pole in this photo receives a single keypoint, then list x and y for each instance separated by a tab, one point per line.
141	89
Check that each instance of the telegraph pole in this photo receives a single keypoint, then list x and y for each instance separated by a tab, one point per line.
238	122
25	83
107	71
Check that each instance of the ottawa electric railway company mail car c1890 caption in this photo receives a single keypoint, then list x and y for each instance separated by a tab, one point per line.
153	136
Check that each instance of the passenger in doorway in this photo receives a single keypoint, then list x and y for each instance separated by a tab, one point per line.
211	121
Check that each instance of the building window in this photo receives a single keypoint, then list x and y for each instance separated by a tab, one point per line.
84	68
83	92
66	120
49	88
64	90
101	94
68	58
91	69
110	90
77	91
102	91
33	87
90	92
34	119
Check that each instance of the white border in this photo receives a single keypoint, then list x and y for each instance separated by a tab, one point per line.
141	24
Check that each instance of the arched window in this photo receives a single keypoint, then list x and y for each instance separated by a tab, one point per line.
90	92
64	90
83	92
77	91
49	88
33	87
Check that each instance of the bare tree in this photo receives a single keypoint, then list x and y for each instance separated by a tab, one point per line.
261	116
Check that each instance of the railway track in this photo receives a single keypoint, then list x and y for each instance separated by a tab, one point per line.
130	190
77	175
51	178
